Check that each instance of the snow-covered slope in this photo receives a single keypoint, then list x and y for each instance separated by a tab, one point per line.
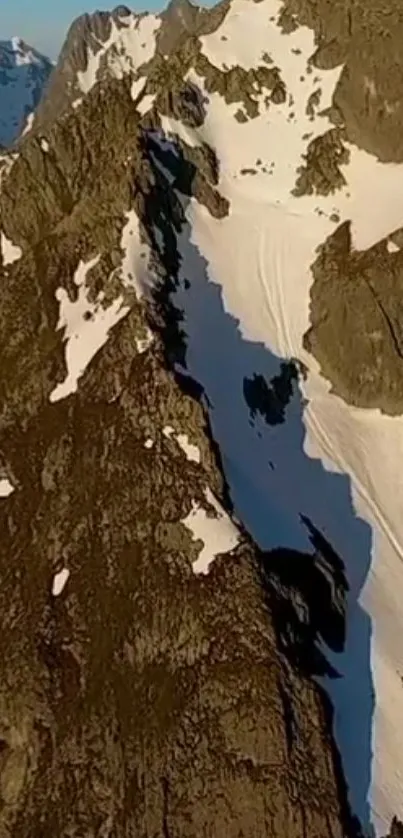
23	75
249	278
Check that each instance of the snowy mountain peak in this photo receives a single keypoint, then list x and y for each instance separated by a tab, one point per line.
23	76
24	54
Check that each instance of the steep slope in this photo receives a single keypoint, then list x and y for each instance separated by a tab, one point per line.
248	143
23	76
147	677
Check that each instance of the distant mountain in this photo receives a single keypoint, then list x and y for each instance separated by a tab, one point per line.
23	74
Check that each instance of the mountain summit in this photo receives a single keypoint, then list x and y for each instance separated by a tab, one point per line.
201	422
23	75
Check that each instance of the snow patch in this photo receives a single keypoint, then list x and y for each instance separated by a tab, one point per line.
392	247
6	164
215	530
28	124
86	328
146	103
44	145
137	87
192	451
10	252
134	269
60	580
6	488
149	443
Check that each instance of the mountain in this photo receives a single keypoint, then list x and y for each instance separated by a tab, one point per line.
23	75
200	428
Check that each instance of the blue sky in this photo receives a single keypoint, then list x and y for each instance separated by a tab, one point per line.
44	23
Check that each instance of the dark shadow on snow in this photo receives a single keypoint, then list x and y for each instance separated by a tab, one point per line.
316	551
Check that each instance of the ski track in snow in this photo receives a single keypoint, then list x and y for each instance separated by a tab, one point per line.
273	292
250	281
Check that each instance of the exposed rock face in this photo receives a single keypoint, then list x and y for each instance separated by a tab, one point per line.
358	295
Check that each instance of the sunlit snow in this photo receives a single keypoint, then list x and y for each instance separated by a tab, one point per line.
392	247
214	529
59	581
28	124
134	270
86	328
9	251
6	488
137	87
192	451
173	127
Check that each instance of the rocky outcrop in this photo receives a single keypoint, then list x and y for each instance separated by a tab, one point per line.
357	295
